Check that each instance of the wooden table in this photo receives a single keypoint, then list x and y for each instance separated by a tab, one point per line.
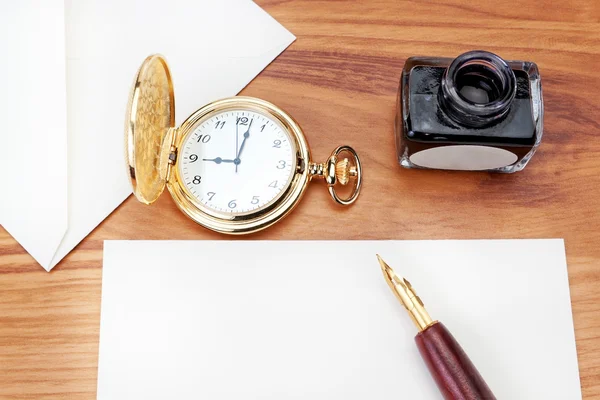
339	80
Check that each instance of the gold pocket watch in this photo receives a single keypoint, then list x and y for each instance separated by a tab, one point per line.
236	165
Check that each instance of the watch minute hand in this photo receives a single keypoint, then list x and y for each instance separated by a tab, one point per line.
237	149
246	135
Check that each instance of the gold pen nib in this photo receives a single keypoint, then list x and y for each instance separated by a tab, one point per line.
407	296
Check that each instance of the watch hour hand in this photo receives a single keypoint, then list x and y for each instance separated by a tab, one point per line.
218	160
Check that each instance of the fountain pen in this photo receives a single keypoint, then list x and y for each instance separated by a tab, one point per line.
454	373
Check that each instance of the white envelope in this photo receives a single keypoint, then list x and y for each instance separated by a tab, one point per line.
67	72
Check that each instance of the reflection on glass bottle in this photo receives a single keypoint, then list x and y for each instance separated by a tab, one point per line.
475	112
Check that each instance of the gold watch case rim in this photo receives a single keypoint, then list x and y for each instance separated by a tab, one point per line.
207	116
266	215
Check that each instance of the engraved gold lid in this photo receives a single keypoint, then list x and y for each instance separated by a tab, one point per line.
148	128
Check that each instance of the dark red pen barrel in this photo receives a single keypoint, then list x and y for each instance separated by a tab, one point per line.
456	376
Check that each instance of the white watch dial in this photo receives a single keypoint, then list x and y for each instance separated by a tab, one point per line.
237	161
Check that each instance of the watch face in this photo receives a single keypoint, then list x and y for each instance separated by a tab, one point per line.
237	161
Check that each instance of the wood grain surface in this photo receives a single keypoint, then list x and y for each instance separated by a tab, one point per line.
339	80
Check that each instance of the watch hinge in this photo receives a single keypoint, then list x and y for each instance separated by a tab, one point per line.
171	161
172	153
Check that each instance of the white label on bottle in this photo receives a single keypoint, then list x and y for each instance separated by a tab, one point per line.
464	158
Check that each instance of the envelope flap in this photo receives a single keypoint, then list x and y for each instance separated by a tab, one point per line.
150	117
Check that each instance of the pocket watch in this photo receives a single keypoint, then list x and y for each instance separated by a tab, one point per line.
236	165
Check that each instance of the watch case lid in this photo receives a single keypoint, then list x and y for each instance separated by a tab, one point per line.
149	124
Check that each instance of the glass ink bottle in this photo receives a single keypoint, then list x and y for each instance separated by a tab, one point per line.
476	112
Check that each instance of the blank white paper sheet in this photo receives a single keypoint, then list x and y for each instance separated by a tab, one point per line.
225	320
